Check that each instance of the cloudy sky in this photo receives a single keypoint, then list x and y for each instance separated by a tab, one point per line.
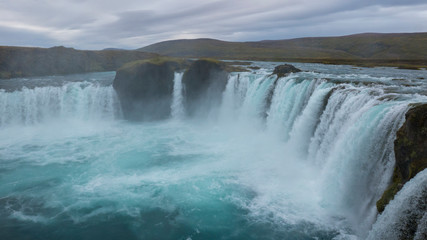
98	24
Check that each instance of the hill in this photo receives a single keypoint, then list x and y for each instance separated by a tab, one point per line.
25	62
398	49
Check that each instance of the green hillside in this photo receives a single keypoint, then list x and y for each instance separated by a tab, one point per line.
397	49
25	61
404	50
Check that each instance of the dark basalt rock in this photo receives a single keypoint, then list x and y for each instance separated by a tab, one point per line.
254	68
285	69
204	82
145	88
410	148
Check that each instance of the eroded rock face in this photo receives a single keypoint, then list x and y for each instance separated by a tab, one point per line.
410	148
411	143
285	69
204	82
145	89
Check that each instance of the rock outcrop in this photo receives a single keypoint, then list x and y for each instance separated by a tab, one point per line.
204	82
145	88
410	148
285	69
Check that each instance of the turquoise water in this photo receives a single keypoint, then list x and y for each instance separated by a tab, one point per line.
309	166
148	181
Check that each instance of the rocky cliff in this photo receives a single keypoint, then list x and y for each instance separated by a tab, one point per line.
145	88
204	82
410	149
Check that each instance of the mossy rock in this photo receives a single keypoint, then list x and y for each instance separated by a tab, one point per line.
390	192
204	82
410	148
285	69
5	75
145	88
176	64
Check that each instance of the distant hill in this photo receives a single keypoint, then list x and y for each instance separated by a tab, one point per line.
399	48
114	49
405	50
24	61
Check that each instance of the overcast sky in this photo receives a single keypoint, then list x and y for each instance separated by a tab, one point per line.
130	24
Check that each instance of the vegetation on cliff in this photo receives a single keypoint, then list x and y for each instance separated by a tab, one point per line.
410	149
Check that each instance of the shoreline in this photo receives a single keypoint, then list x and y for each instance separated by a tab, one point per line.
416	64
408	64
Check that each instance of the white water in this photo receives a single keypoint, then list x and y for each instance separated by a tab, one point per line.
408	208
245	97
177	107
300	157
76	100
289	99
347	136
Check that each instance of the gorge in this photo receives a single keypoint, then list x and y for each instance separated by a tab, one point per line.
171	149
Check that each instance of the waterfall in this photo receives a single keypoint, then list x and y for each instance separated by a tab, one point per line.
405	217
353	142
254	102
289	99
228	107
306	123
308	154
177	107
346	130
75	100
245	96
361	157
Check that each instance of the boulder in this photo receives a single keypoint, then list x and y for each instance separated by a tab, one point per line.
204	82
410	149
145	88
285	69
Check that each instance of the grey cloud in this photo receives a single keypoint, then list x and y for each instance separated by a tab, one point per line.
13	37
133	24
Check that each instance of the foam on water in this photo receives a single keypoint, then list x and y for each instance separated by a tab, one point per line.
406	215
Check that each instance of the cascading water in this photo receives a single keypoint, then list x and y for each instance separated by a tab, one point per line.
339	128
254	99
408	207
245	96
301	157
289	99
177	98
77	100
306	123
